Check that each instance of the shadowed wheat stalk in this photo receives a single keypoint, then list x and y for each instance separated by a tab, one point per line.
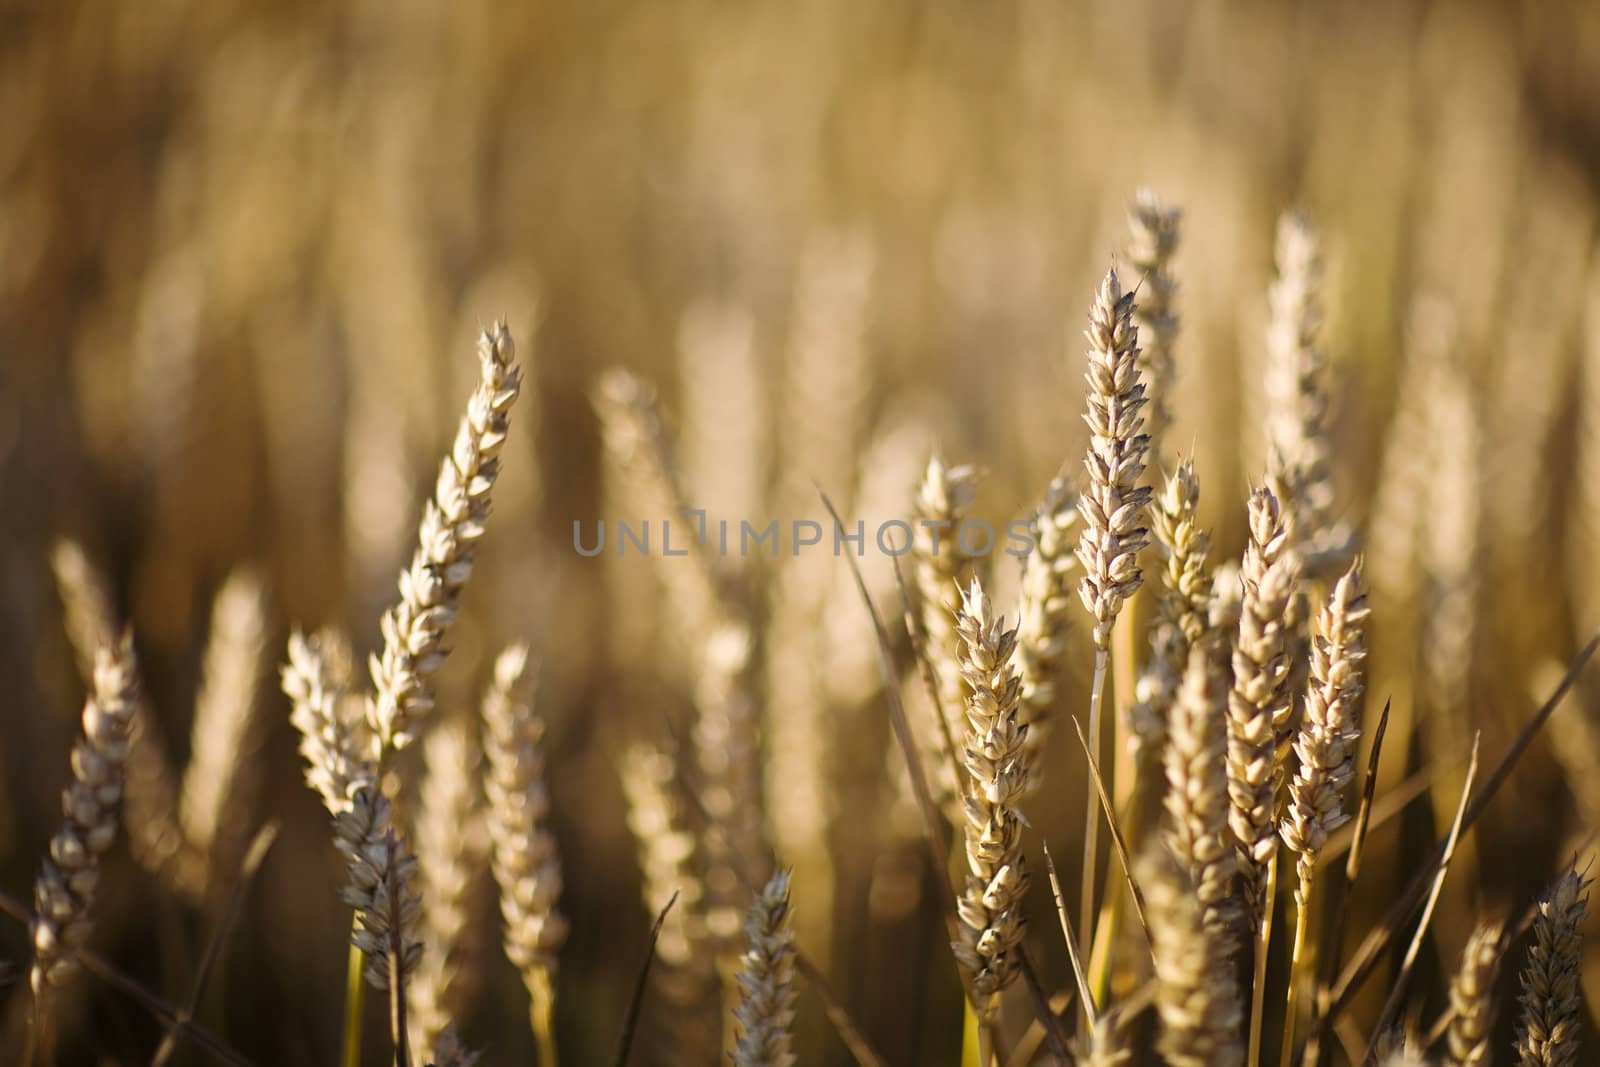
766	979
1547	1033
65	890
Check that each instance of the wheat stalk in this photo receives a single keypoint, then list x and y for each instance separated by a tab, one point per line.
1154	232
1298	449
1326	750
149	786
1195	997
65	890
525	862
1182	609
990	907
1325	746
1111	508
940	569
1043	613
387	908
452	525
335	737
1261	702
669	855
1260	705
767	1001
1197	785
1547	1033
449	826
1472	998
214	802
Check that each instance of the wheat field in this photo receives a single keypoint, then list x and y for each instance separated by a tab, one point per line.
900	533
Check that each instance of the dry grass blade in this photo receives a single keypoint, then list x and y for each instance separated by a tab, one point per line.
1117	838
1074	952
1397	991
1358	836
630	1022
1367	955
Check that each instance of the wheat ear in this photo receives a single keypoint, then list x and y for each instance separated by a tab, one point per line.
1154	232
1547	1034
1111	508
1182	609
1298	451
1472	998
941	568
1259	709
335	739
65	890
149	785
669	859
452	525
386	905
990	907
1197	1002
1043	612
525	862
1197	785
767	1002
1326	751
449	832
215	800
1261	701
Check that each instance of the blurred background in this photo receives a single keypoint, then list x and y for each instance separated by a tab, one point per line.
245	251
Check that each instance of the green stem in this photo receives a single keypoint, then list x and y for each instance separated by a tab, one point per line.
354	998
541	1014
1091	811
